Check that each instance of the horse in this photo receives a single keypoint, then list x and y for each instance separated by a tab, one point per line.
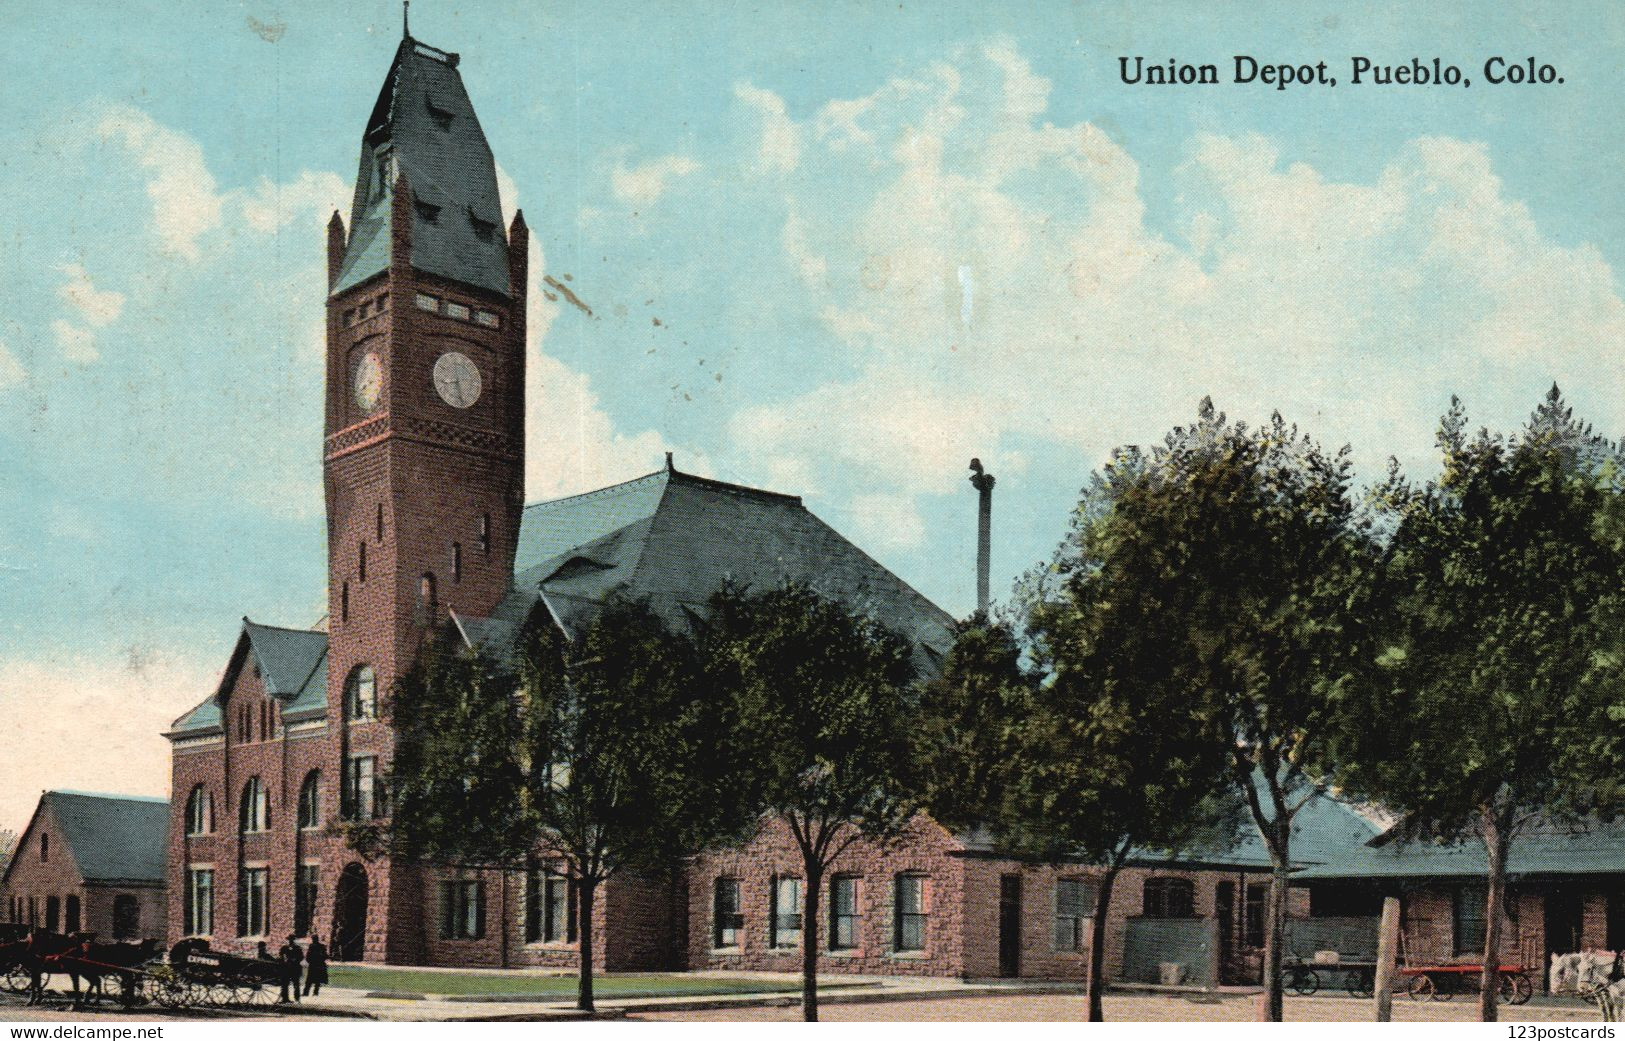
94	962
40	955
1596	976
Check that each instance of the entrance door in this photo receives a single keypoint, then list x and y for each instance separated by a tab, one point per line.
350	915
1564	918
1224	907
1010	925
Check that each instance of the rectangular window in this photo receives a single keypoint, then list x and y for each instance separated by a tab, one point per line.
456	561
1469	919
726	921
485	533
304	897
488	319
1258	898
910	913
550	907
462	910
1074	901
457	310
843	913
426	302
360	800
784	917
253	893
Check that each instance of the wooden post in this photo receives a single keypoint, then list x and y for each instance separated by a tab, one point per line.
1387	944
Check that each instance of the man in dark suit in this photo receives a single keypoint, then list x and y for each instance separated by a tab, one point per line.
290	956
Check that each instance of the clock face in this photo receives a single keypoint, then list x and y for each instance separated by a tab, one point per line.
369	381
457	379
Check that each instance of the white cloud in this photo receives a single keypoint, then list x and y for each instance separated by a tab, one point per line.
995	281
780	150
271	206
96	306
76	344
11	370
185	204
61	704
643	185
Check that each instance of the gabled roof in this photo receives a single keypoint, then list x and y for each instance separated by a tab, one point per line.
110	838
424	122
293	667
674	538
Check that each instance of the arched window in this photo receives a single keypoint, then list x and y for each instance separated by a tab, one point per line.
1169	898
456	562
485	533
344	602
427	603
361	694
45	848
310	801
380	522
199	812
70	923
254	812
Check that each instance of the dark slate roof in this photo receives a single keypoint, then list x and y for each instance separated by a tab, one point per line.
293	667
113	838
424	119
1595	849
673	538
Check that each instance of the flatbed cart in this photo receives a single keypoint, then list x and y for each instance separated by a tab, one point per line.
1440	981
1304	977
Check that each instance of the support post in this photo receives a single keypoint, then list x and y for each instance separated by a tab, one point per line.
1387	949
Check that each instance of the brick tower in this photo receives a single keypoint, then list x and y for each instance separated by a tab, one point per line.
423	457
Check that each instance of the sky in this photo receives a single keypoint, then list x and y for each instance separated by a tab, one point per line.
835	249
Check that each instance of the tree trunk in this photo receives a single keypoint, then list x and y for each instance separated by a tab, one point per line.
1097	945
1275	924
1495	845
809	944
584	931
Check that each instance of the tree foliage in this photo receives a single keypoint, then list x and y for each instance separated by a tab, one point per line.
1499	649
816	701
592	750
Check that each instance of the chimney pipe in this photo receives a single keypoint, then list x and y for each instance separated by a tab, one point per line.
983	483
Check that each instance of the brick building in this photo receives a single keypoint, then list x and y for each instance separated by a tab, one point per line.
428	535
90	863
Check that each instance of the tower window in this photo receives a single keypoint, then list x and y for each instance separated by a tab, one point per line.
456	561
380	524
485	533
361	561
361	695
457	310
344	602
426	302
488	319
427	607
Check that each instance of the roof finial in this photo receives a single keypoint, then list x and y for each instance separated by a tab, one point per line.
406	19
669	466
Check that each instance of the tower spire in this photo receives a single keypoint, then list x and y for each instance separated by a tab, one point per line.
406	19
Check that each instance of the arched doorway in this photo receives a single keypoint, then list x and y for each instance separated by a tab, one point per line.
350	914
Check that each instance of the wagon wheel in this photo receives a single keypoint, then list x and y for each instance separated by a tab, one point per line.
1302	981
1421	986
222	995
1361	984
15	980
1522	989
259	994
170	991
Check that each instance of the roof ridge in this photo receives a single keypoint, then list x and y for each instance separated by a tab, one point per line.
111	796
283	628
729	486
596	491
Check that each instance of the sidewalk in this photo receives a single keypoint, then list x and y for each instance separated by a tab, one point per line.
844	990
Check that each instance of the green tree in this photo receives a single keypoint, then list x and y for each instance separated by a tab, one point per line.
1244	551
589	750
1499	646
816	701
1115	764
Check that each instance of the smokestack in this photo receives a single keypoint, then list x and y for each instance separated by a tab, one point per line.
983	483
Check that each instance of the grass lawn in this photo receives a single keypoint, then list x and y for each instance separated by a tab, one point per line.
612	985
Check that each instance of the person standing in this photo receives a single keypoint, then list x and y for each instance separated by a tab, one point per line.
315	965
290	956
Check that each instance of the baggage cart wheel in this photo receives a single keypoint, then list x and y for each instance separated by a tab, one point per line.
1421	987
1302	981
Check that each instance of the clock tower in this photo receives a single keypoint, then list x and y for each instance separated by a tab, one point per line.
423	457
